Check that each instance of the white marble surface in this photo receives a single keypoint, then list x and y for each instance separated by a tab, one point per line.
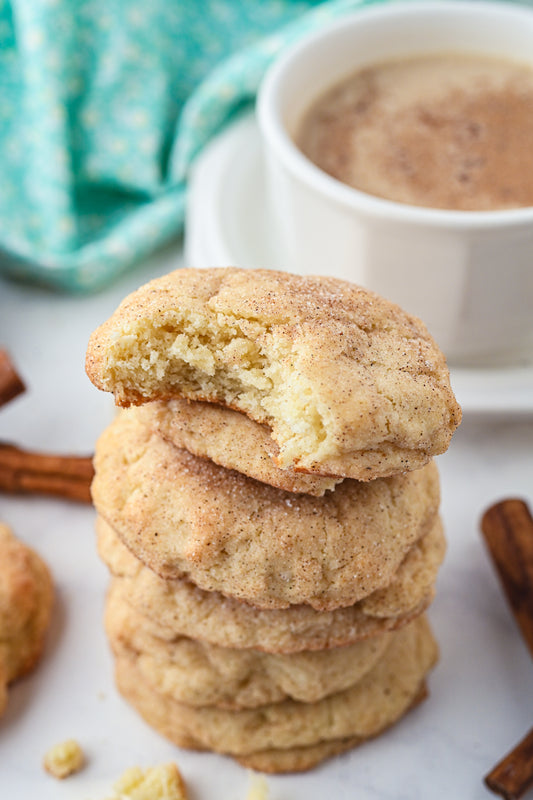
481	698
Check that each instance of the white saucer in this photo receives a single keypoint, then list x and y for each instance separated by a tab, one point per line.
227	224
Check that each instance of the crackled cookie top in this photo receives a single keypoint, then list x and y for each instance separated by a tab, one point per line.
182	607
184	515
348	383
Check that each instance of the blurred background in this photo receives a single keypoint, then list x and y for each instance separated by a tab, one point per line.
103	108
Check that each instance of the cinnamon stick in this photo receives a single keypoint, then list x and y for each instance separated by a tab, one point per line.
11	383
28	472
507	528
508	531
513	776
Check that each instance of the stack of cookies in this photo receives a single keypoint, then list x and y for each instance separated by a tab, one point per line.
268	508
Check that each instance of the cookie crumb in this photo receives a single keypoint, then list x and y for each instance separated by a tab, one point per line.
64	759
163	782
258	787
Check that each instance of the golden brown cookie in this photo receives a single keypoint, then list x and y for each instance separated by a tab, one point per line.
187	610
186	516
298	759
349	384
230	439
381	697
414	579
26	596
199	674
3	688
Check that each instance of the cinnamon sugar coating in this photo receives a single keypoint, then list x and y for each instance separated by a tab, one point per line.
230	439
180	606
186	516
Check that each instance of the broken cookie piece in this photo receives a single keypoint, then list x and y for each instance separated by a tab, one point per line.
64	759
163	782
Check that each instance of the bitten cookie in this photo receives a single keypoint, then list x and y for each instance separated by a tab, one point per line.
186	516
348	383
26	596
208	616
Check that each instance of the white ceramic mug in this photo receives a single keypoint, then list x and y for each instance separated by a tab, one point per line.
467	274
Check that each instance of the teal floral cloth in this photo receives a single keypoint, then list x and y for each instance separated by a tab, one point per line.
104	105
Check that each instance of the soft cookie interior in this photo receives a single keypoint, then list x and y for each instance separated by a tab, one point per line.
233	362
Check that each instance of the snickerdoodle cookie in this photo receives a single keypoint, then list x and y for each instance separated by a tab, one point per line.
349	383
26	596
199	674
364	710
186	516
298	759
208	616
230	439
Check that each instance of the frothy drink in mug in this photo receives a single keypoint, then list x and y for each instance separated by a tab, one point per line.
449	131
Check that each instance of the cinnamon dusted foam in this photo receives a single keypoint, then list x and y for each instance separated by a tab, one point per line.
446	131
